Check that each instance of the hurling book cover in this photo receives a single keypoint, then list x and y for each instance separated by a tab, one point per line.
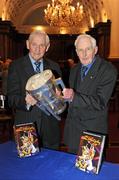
90	152
26	139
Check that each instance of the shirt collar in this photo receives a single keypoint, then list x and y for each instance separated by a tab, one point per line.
89	65
33	61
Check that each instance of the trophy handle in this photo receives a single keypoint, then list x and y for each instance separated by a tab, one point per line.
58	82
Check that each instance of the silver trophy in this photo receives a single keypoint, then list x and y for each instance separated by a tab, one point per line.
42	87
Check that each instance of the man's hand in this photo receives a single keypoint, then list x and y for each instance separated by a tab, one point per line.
30	100
58	92
68	94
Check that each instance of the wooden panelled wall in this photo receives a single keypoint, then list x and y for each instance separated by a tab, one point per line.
12	43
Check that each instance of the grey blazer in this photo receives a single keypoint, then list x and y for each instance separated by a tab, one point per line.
89	108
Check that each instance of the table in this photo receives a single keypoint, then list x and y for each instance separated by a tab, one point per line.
47	165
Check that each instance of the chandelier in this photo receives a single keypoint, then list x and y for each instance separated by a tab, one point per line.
62	14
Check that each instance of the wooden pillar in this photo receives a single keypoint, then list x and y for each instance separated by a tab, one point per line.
101	32
8	40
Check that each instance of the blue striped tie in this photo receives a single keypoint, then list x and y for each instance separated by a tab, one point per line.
37	64
83	71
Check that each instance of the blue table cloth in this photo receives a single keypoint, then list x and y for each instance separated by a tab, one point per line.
47	165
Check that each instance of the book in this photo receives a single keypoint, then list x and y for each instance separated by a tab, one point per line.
89	157
26	139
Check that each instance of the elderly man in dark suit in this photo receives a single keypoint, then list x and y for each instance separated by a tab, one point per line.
19	72
91	84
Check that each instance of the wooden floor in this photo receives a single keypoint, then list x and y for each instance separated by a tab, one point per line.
112	149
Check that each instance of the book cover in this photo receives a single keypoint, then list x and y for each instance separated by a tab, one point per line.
90	152
26	139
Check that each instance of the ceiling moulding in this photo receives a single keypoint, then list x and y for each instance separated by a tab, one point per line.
26	29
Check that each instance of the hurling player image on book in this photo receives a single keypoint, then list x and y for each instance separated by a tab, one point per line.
90	152
26	139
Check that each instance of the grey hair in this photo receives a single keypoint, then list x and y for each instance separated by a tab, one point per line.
39	33
93	40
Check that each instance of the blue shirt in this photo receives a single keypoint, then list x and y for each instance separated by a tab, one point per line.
89	66
34	66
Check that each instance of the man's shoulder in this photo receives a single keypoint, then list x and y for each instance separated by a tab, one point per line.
20	59
107	65
77	66
54	66
51	64
49	61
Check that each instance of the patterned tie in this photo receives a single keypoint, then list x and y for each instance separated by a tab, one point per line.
37	64
83	71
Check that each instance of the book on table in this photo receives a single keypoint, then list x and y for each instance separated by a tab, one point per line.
26	139
89	157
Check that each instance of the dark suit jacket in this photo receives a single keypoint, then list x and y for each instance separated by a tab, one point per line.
19	72
88	110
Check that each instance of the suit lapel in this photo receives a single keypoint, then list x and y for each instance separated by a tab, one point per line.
74	79
45	64
92	73
28	66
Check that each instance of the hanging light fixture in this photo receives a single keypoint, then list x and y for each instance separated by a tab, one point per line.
61	13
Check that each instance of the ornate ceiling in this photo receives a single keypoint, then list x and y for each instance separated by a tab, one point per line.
29	14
